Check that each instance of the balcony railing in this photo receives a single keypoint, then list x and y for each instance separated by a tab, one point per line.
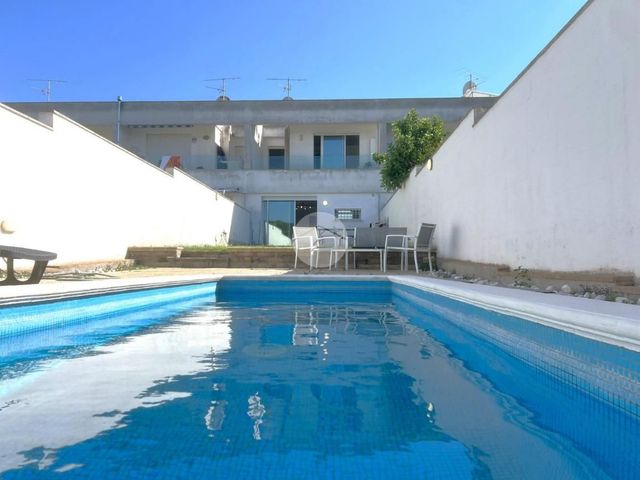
362	162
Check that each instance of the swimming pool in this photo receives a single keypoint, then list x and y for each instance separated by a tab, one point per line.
307	379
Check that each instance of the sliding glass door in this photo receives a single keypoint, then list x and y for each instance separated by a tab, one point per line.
336	151
279	221
333	155
306	213
280	216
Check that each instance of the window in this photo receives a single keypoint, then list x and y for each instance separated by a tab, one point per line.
317	152
352	150
276	159
347	213
222	159
336	151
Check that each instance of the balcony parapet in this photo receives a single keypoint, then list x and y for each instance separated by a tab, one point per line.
209	162
292	181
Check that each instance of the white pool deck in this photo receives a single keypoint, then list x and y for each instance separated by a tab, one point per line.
614	323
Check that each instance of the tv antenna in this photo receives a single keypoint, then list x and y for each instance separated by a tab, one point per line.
46	91
472	81
287	87
222	88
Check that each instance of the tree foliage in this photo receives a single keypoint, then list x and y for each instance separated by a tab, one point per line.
415	139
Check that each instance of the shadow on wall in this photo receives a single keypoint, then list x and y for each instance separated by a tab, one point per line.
240	228
454	241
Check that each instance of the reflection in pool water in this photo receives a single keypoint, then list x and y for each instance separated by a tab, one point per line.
237	390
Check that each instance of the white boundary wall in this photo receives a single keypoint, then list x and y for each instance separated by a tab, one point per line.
549	178
68	190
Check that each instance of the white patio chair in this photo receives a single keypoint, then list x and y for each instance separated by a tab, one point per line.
307	239
405	244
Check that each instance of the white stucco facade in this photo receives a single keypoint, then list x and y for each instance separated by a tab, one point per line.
70	191
258	151
357	189
549	178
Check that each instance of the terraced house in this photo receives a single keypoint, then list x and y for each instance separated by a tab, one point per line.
280	159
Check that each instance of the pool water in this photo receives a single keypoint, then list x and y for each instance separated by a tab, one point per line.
261	384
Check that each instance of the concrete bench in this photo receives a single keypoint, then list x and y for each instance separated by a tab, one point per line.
39	257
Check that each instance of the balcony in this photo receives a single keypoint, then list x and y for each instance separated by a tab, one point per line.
292	181
208	162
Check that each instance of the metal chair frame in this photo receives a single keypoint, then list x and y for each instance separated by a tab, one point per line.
419	243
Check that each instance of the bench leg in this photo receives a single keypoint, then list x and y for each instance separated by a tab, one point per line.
11	277
38	270
36	274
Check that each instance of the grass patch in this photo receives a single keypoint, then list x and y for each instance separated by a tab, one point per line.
226	248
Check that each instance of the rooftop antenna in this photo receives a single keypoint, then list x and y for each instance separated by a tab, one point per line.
223	87
472	81
470	85
46	91
287	87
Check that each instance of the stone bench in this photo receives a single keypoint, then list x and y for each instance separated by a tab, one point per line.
39	257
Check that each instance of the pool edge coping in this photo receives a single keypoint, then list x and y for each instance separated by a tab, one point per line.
91	289
606	323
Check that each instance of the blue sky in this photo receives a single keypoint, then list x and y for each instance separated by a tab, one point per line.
163	50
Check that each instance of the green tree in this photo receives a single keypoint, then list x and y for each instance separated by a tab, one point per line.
415	139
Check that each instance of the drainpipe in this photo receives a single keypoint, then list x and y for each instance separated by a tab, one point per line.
118	119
